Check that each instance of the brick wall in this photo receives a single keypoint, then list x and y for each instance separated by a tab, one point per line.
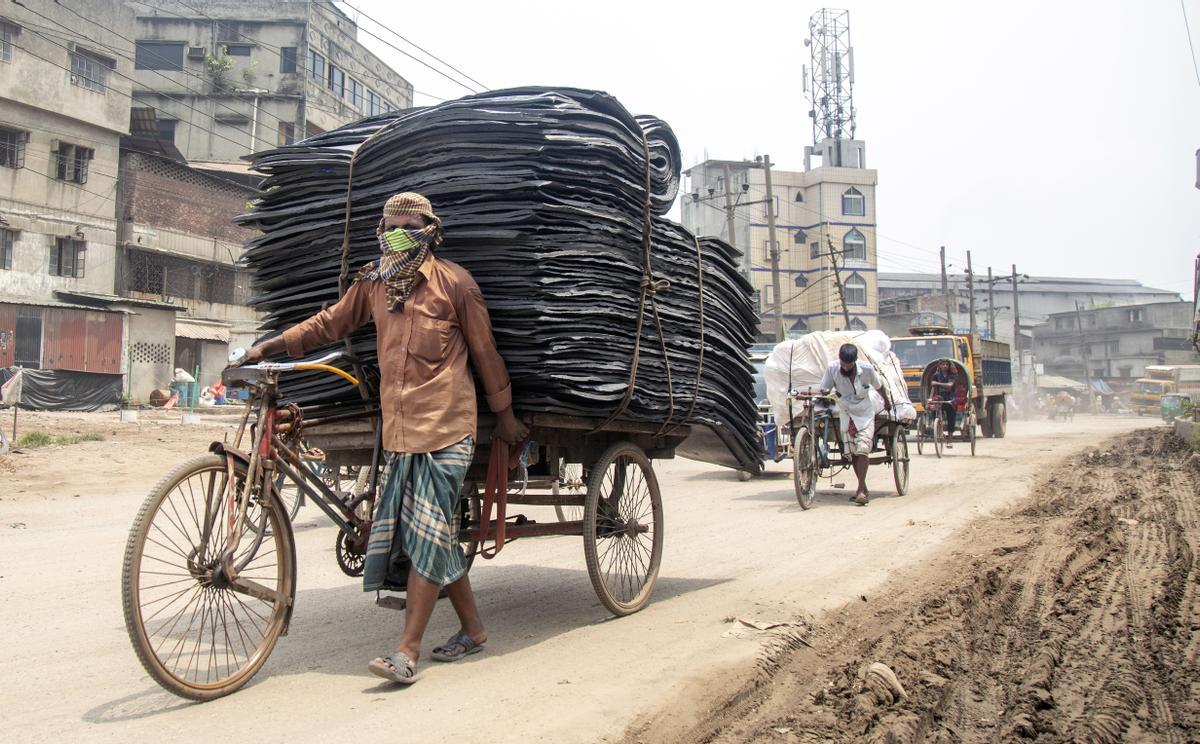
162	193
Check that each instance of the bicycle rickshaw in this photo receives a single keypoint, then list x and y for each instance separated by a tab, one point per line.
932	427
818	450
209	577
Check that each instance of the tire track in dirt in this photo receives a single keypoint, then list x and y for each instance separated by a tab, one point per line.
1072	618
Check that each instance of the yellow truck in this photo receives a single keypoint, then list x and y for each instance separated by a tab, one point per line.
988	361
1160	380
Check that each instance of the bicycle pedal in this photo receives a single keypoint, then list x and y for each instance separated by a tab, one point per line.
391	603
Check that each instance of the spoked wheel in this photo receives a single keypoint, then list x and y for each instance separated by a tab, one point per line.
623	528
971	433
939	438
921	429
804	467
571	483
194	633
900	459
469	515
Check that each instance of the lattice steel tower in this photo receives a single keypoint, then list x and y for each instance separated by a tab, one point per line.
829	83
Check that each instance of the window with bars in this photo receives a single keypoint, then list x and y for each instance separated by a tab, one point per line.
12	147
7	32
814	250
316	66
287	59
67	257
90	71
71	162
856	290
854	245
854	203
8	239
356	91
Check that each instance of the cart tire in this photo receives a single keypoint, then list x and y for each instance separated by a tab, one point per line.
804	467
570	481
470	514
971	434
161	617
921	435
900	459
622	541
939	438
744	475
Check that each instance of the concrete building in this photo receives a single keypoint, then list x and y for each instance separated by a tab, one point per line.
230	77
818	211
1115	343
908	299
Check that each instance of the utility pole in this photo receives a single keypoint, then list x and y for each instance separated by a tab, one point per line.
747	260
971	291
780	329
1017	324
837	280
1085	353
991	307
946	291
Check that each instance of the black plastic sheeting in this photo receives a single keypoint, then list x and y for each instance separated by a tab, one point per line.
543	195
64	390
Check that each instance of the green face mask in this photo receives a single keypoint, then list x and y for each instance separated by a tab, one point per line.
397	240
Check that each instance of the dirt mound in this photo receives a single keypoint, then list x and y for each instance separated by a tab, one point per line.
1073	618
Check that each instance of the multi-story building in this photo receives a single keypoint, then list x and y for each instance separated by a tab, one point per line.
908	299
1115	343
226	78
64	105
825	227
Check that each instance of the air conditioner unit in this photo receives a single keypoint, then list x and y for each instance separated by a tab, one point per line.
197	53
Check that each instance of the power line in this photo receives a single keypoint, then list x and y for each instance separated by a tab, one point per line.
408	41
1187	27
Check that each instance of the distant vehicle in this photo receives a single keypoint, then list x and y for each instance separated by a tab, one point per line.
987	361
1176	405
1161	380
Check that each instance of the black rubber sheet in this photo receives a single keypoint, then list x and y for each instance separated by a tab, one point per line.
546	195
64	390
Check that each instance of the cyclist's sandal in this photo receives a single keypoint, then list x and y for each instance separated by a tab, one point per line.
459	645
397	667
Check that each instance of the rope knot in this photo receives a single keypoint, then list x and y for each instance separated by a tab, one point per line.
653	286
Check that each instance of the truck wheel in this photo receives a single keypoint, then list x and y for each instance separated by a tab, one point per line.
985	424
999	420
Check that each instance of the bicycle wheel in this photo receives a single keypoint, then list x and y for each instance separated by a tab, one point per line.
939	438
900	460
194	634
921	435
971	434
570	483
804	467
623	528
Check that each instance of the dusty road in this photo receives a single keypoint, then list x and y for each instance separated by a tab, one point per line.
557	667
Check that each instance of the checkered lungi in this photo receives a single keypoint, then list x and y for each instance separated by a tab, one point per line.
420	495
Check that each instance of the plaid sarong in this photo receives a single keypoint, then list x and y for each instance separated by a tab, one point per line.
420	494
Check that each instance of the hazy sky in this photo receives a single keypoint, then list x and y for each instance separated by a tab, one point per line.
1057	135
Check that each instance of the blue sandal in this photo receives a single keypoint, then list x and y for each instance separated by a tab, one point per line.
459	645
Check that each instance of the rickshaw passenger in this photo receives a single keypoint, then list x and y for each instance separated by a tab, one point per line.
852	381
943	385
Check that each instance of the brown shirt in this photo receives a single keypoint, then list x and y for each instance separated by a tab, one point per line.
428	395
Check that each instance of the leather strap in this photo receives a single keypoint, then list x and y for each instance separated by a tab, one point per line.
495	492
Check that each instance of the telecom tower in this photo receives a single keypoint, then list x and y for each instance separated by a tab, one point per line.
829	84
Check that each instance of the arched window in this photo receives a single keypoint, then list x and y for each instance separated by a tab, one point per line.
799	326
856	290
801	280
799	237
854	203
856	324
854	245
799	196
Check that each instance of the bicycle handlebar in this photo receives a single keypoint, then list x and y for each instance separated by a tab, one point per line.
322	364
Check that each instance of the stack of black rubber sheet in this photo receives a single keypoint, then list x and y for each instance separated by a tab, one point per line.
543	195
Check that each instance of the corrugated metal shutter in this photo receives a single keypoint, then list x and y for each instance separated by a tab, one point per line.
8	335
104	332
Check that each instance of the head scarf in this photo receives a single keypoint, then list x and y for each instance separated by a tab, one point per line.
398	268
